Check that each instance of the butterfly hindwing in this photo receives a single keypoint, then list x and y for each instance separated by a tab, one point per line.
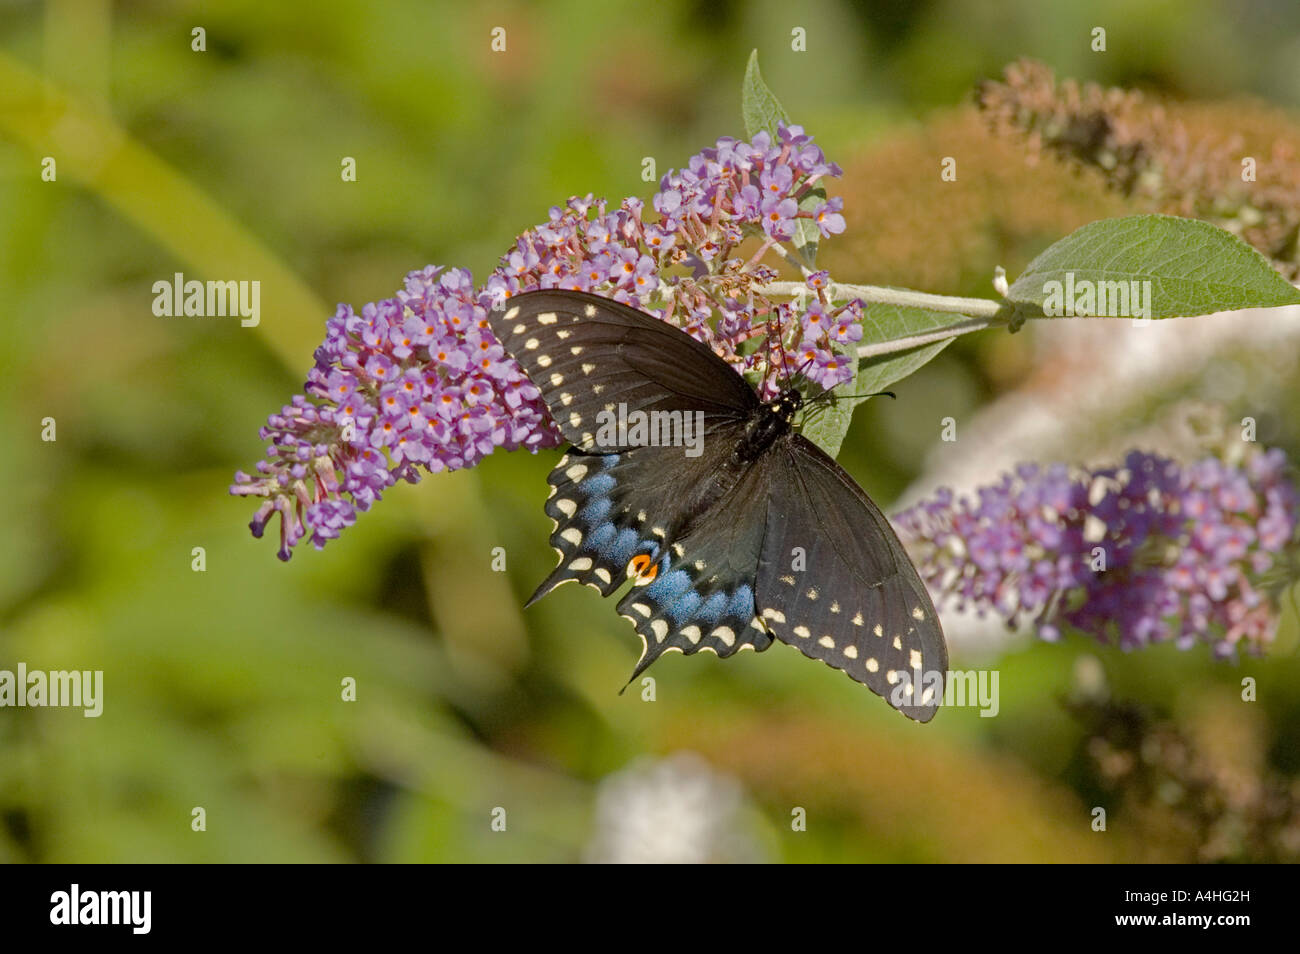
701	592
609	508
588	355
595	535
835	582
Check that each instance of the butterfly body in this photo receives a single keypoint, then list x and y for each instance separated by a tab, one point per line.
770	424
754	536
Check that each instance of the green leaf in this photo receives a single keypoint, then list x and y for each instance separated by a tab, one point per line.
758	105
880	323
762	111
828	423
806	233
1192	267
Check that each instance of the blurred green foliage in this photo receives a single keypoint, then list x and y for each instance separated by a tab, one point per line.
223	687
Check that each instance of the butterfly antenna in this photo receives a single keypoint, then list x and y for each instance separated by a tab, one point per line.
830	395
799	372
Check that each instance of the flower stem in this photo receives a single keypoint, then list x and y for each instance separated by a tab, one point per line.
977	307
976	314
915	341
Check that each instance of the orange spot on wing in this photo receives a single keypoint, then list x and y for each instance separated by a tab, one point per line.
645	569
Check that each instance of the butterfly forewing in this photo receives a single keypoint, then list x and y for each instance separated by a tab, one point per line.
835	582
592	357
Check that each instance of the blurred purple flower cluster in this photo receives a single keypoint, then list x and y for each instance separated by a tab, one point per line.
417	382
1133	555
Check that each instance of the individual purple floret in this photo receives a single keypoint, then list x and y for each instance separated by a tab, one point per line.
1133	555
418	383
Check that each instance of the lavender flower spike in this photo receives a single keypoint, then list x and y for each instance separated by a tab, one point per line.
415	382
1133	555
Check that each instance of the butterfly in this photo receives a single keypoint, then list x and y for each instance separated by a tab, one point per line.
748	534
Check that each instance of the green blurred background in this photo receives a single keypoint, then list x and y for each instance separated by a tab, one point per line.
223	687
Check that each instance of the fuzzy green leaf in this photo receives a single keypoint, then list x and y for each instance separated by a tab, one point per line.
827	424
758	104
1189	268
880	323
806	233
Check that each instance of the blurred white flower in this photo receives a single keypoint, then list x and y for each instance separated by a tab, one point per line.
674	810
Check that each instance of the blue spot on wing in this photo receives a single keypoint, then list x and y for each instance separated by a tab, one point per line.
596	511
742	602
600	537
668	586
712	608
599	485
683	608
623	547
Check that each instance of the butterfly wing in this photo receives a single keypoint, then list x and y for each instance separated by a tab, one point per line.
589	355
701	595
609	508
834	582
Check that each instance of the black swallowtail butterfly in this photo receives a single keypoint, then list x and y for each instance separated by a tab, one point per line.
760	536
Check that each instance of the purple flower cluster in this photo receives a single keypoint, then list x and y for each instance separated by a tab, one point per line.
1143	553
684	266
417	382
